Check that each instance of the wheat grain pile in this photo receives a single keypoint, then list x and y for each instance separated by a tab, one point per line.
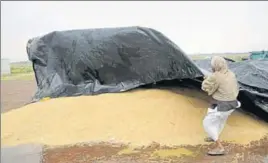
137	117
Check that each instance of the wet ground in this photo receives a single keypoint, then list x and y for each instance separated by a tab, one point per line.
255	152
104	153
17	93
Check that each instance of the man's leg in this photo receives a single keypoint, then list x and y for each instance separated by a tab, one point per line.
223	116
211	109
219	149
219	145
206	122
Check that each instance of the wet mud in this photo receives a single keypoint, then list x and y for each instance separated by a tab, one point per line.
255	152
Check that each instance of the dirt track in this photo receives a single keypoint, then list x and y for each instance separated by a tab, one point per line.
17	93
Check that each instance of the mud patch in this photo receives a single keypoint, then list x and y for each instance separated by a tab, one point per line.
255	152
80	153
167	153
128	151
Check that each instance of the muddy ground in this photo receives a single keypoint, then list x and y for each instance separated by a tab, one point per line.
256	152
15	94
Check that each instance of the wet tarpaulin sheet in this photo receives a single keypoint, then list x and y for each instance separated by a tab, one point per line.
252	76
94	61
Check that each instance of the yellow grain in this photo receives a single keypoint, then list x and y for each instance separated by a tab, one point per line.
137	117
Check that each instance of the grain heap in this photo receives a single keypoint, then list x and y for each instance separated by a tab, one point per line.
138	117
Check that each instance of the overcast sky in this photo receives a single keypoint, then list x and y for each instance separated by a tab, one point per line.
197	27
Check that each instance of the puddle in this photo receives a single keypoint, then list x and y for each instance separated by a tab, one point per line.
163	153
128	151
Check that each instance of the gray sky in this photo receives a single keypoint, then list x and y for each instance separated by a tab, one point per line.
197	27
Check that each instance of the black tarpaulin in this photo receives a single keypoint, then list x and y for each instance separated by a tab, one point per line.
94	61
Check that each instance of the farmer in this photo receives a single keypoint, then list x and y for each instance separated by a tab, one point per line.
223	87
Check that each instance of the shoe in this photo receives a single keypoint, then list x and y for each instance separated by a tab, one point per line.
216	152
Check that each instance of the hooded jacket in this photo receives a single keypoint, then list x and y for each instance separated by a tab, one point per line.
222	83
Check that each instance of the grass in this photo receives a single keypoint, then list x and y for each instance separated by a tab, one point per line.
20	72
21	69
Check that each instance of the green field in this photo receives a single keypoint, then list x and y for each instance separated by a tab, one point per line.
20	72
21	69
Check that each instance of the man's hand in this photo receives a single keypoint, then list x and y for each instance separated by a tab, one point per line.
210	84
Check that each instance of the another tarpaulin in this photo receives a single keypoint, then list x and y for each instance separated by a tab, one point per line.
252	77
93	61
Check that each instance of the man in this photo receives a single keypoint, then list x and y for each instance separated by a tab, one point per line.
223	87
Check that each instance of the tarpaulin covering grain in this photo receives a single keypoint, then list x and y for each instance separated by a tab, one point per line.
252	76
93	61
